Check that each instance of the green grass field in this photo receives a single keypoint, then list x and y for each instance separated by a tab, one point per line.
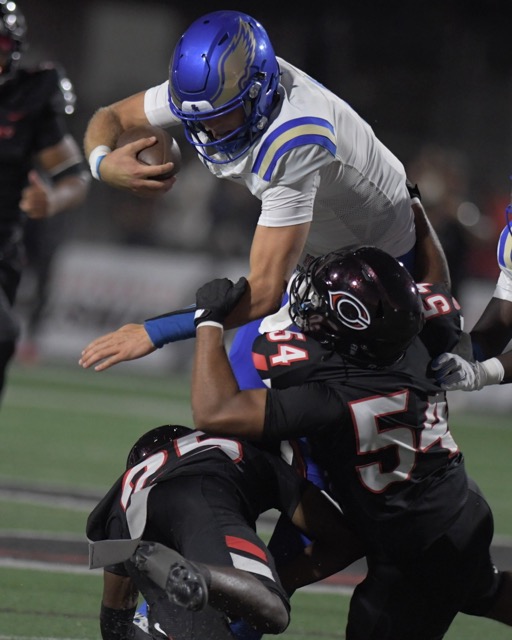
70	429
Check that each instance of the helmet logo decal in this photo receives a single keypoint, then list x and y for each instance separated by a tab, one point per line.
350	310
234	68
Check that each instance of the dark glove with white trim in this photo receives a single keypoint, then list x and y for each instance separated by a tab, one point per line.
216	299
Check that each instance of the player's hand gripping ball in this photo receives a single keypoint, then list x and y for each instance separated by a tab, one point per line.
164	150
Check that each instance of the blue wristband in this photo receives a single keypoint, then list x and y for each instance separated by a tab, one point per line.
171	328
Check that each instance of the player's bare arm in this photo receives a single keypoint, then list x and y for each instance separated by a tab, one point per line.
218	405
45	198
274	255
107	124
430	262
275	252
130	342
118	605
119	592
119	167
217	402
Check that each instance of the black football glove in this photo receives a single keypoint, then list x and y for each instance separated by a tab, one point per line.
216	299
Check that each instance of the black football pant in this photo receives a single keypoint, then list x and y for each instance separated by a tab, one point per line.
420	599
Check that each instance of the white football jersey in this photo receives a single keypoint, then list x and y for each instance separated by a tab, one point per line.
320	162
504	253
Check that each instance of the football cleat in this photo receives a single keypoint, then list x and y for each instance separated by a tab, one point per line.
181	580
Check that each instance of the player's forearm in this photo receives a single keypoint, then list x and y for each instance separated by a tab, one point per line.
213	382
430	260
218	405
69	192
104	128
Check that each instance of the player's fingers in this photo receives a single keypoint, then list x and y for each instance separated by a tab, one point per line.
88	359
147	176
151	187
106	364
94	353
137	145
440	361
103	359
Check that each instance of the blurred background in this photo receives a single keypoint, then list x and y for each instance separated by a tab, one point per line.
434	80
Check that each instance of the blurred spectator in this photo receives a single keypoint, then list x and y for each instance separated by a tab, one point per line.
443	179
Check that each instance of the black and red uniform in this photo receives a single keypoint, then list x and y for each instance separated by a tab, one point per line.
381	435
32	110
202	497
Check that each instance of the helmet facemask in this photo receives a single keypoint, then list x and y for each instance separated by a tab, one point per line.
235	143
307	309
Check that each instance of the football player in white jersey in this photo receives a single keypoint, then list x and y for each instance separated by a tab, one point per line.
490	335
324	179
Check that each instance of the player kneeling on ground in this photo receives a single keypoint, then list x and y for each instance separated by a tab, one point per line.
179	526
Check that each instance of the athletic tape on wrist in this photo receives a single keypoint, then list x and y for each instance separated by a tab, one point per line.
494	371
95	158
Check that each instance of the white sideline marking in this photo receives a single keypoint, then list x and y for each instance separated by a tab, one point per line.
11	563
67	568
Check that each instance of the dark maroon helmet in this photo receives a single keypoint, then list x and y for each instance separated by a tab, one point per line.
363	302
154	440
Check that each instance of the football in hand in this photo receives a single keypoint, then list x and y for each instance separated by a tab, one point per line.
164	150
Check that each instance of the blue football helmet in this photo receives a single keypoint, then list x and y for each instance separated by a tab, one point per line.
13	30
362	303
222	62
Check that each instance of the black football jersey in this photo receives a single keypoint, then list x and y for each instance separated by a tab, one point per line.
381	434
262	479
31	119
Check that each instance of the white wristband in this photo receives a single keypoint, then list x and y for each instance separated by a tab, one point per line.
494	371
210	323
96	156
